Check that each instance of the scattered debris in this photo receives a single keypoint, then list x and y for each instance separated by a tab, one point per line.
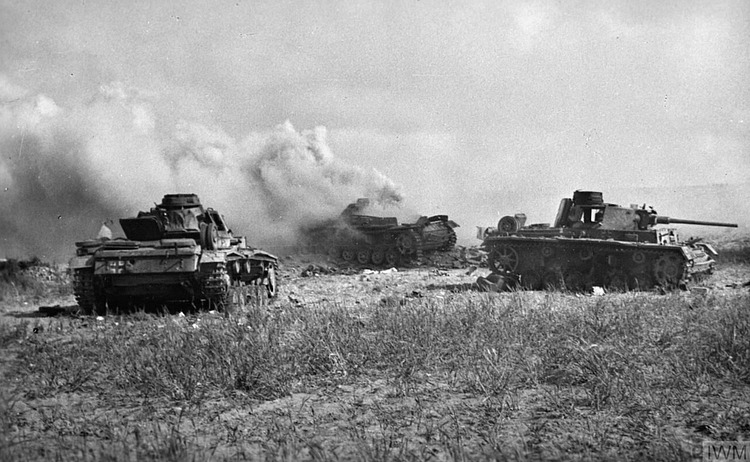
493	283
386	271
55	310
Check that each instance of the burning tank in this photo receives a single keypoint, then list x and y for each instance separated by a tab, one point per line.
178	251
592	243
368	239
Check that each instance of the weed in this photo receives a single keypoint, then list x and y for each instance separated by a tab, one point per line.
462	377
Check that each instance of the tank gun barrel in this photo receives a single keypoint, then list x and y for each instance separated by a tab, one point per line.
658	219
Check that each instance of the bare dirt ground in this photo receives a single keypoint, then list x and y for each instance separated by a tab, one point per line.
368	417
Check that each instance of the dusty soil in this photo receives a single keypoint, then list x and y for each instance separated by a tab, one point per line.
426	415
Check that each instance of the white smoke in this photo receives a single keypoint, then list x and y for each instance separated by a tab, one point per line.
65	170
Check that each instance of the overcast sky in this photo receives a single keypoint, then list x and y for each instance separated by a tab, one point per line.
107	105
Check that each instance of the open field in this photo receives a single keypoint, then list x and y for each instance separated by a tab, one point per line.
406	365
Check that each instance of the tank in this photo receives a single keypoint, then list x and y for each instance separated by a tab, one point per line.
593	243
357	237
178	251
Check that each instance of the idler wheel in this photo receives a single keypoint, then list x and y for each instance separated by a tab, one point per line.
406	244
348	254
377	257
668	271
392	256
363	256
503	258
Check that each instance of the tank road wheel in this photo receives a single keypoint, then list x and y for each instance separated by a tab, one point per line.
377	257
668	271
531	280
503	258
348	254
574	281
363	256
271	286
392	257
617	280
406	243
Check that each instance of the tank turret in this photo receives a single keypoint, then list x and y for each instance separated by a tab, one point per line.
587	210
594	242
180	216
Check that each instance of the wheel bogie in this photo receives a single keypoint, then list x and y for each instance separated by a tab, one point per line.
579	265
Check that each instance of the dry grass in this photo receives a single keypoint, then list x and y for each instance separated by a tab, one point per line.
466	376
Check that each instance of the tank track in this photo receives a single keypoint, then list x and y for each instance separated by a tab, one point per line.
451	241
221	287
215	287
578	265
85	292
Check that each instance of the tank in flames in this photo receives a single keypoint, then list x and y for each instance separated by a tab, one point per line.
366	239
593	243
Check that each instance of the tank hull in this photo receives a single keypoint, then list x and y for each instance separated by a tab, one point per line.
379	241
579	263
595	243
123	273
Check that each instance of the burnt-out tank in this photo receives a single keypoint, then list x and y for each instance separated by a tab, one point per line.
178	251
366	239
593	243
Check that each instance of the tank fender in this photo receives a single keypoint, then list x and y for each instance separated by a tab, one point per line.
261	253
81	262
212	256
707	248
444	219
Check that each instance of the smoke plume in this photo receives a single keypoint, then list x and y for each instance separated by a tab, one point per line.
65	170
